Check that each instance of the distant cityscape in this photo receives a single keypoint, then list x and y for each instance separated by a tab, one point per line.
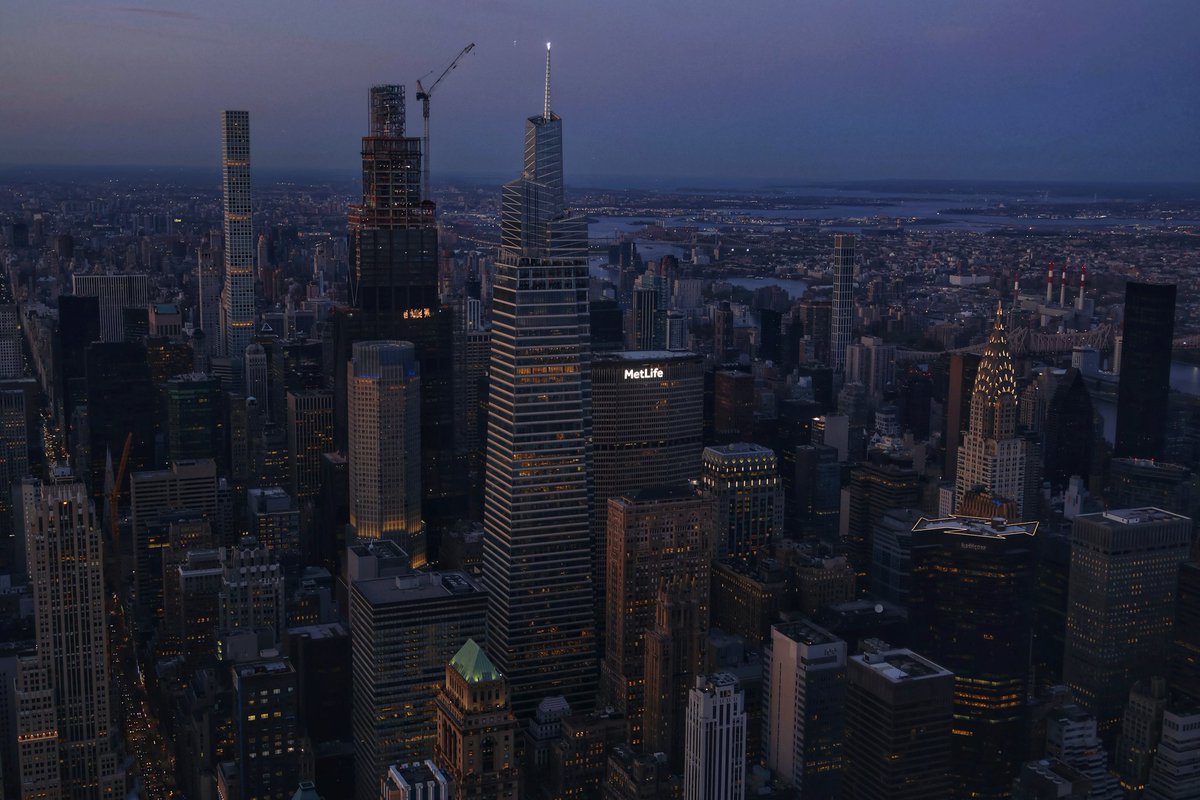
432	490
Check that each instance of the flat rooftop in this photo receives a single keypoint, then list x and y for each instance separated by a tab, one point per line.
415	587
1137	516
901	665
978	526
805	632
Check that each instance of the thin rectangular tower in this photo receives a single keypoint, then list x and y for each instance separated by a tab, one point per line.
237	301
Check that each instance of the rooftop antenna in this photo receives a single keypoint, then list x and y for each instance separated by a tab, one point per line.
546	106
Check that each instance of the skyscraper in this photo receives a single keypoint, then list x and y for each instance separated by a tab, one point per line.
309	436
991	457
744	478
115	293
404	630
476	731
393	256
843	299
384	414
537	548
1121	603
970	607
66	575
899	713
804	693
267	730
237	299
715	753
1145	370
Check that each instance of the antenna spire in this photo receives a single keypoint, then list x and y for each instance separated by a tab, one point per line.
546	107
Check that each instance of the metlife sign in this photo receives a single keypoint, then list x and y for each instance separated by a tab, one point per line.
643	374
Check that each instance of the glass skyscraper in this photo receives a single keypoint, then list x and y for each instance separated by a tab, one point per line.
537	554
237	304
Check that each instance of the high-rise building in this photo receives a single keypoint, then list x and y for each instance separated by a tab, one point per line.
1145	370
206	317
64	548
115	294
421	780
991	457
1049	778
970	607
1140	731
267	730
675	647
664	392
1184	673
254	363
899	714
537	548
476	730
1176	771
309	436
11	362
237	295
843	299
192	415
805	697
121	400
744	478
394	291
1071	737
963	369
715	749
655	537
251	593
184	486
404	630
876	486
1124	573
384	414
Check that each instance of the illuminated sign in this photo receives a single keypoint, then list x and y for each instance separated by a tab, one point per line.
418	313
642	374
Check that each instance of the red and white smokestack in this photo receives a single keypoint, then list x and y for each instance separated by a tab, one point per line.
1062	288
1082	287
1050	284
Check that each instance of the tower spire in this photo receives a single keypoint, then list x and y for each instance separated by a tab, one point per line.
546	106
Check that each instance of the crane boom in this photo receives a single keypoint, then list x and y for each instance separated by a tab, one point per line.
423	95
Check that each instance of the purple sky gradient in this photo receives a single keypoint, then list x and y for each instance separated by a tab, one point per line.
758	90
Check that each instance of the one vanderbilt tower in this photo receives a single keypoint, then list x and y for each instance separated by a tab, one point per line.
237	300
536	557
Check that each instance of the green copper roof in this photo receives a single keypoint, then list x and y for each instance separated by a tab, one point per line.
473	664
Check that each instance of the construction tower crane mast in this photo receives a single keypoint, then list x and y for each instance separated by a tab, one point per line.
423	95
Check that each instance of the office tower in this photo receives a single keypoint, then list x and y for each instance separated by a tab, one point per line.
816	319
1176	771
715	752
733	406
675	646
267	728
206	317
254	363
473	350
1050	779
38	773
394	290
821	581
891	554
1145	370
404	629
11	361
1185	639
321	656
192	414
115	293
120	401
745	480
66	577
185	485
991	456
1070	434
723	332
273	520
607	326
630	776
384	413
872	363
476	730
251	594
420	780
655	537
1140	732
192	606
1142	482
842	323
537	549
899	714
876	486
237	295
664	393
980	630
309	436
14	466
805	697
963	369
1071	737
1124	568
747	597
645	312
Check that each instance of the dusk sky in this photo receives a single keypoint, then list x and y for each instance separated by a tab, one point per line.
754	91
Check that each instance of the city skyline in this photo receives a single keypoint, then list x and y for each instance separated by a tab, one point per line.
855	90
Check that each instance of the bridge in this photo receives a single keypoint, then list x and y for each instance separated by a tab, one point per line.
1029	342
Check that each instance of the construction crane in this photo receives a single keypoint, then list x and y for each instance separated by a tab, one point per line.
423	96
114	497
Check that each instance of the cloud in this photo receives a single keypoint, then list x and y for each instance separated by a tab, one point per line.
157	12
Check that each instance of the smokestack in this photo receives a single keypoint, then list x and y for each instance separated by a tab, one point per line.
1082	287
1050	284
1062	289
